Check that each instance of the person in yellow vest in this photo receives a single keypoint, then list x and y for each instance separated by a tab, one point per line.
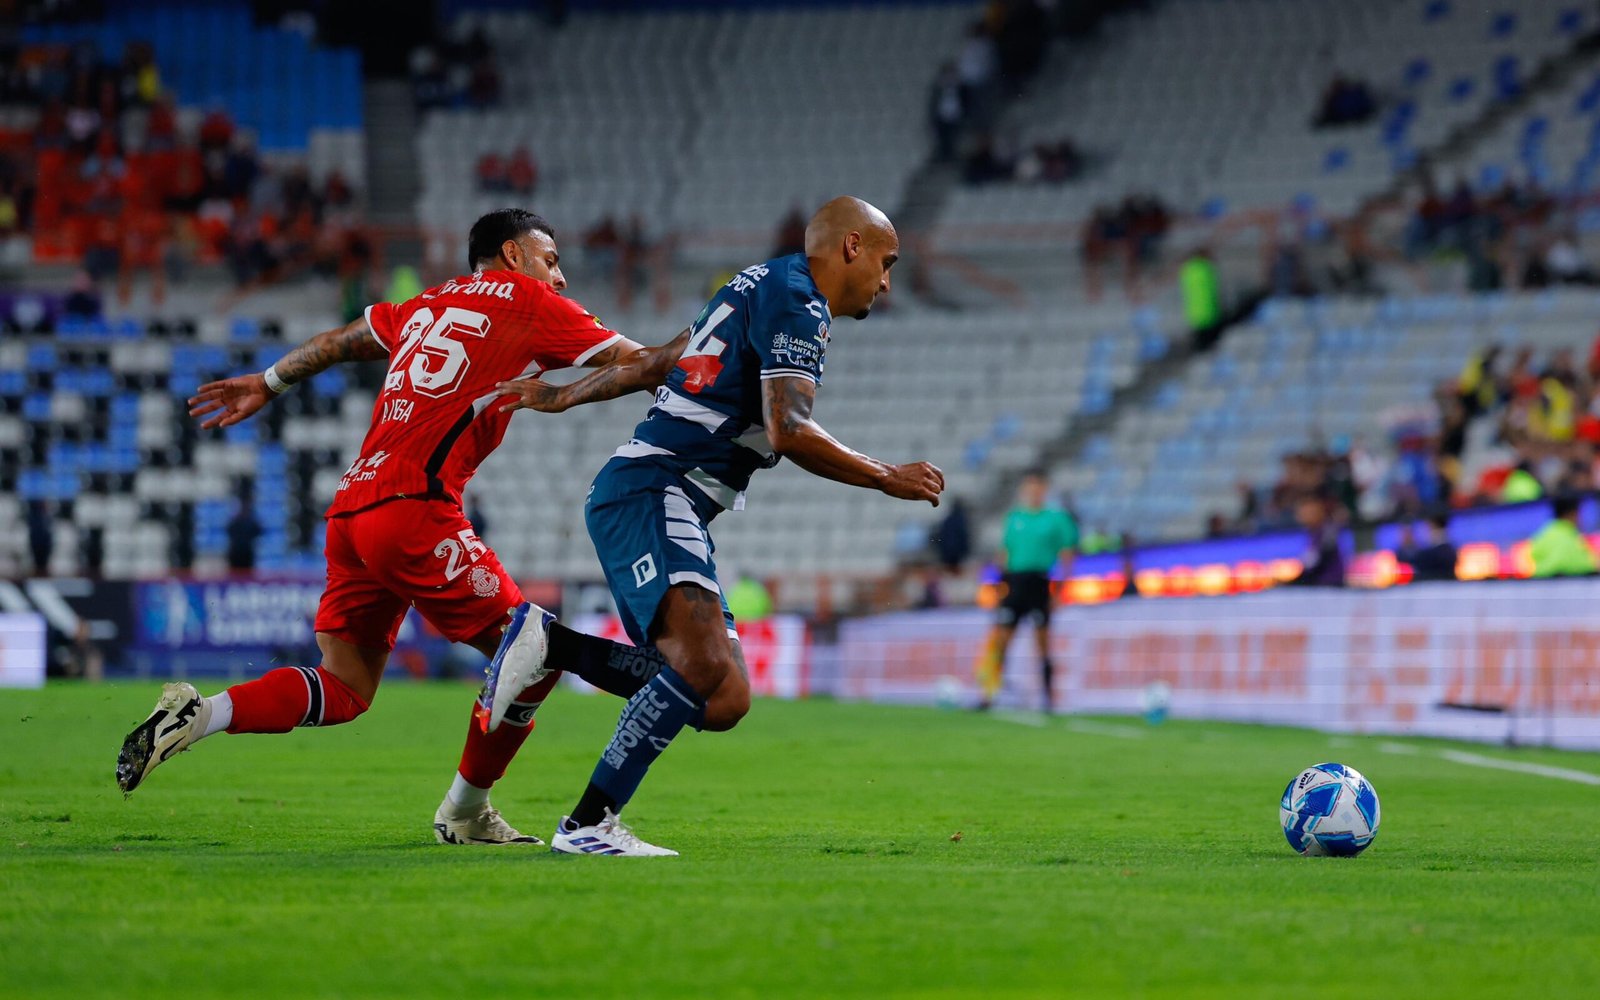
1559	549
1036	537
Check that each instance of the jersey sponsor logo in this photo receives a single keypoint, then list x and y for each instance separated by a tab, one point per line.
484	581
363	470
478	285
796	352
640	713
746	279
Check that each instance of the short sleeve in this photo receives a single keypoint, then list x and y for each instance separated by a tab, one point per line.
1069	531
793	341
383	319
568	335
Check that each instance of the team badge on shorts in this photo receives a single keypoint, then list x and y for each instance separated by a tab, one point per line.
484	582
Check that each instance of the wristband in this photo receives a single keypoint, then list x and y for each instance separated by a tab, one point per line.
276	384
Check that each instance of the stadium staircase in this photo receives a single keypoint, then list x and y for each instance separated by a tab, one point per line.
394	174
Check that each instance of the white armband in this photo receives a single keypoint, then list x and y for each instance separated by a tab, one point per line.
275	383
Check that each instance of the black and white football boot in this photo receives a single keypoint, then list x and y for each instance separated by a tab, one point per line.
180	718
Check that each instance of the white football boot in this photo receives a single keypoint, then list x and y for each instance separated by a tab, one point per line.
517	664
180	718
483	825
609	837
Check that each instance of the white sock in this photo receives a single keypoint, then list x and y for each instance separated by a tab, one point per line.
221	714
464	794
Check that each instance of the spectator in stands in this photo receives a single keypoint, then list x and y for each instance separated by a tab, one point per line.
1559	549
1522	485
522	172
82	300
216	130
1564	263
1202	297
1435	557
975	66
493	177
603	245
791	236
41	536
946	111
1101	238
987	162
952	538
1345	101
243	531
1324	559
1479	385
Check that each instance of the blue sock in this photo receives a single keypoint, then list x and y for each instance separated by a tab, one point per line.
652	717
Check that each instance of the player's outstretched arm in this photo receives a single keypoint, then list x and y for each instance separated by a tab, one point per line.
225	403
786	404
620	369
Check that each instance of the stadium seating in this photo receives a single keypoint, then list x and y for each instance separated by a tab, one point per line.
94	418
1209	104
299	97
661	120
1300	375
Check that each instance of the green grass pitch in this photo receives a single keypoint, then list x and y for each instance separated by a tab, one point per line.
820	860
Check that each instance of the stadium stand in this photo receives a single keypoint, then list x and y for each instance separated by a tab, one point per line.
1303	377
1234	84
681	139
92	427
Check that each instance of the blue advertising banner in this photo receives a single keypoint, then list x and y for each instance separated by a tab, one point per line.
226	616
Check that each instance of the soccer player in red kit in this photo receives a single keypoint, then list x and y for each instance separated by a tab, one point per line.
396	534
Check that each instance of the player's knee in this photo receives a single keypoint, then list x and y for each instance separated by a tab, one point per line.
725	708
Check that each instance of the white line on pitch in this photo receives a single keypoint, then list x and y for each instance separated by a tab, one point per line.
1543	770
1400	748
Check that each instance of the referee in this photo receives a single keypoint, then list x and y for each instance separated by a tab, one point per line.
1036	536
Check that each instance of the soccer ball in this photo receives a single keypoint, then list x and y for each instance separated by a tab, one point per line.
1329	809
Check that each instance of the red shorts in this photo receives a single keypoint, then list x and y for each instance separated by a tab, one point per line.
404	552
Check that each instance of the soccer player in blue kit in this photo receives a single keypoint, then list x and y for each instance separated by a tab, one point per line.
739	399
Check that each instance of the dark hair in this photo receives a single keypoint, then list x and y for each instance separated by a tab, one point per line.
1035	472
491	231
1566	505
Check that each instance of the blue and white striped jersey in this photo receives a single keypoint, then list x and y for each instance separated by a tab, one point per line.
769	321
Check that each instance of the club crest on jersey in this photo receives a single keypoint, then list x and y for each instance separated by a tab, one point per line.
484	582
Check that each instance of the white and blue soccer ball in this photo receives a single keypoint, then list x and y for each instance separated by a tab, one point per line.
1329	810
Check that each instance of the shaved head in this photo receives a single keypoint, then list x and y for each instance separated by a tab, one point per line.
850	247
841	217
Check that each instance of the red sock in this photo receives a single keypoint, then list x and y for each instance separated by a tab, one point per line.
485	757
282	699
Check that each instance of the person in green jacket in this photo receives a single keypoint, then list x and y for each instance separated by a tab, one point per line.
1036	537
1559	549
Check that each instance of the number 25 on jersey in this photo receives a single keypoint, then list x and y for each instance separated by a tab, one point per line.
432	353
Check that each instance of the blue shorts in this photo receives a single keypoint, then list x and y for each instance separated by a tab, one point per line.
648	525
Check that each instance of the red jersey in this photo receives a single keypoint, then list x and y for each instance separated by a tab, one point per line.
435	420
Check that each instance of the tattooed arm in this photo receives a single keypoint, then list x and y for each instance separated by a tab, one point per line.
787	402
620	369
229	401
